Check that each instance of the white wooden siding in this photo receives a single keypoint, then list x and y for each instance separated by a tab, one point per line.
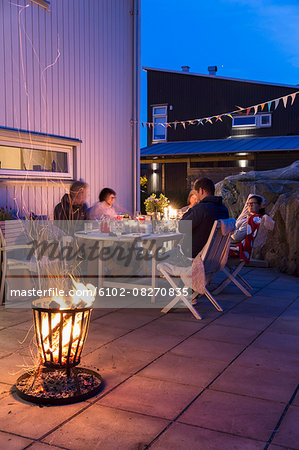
87	94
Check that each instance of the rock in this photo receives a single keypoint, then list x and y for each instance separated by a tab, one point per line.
282	196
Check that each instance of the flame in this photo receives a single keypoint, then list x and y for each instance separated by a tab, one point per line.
62	346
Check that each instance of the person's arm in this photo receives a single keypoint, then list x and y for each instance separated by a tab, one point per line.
195	214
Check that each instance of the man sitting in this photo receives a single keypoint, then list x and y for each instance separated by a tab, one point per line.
202	216
72	205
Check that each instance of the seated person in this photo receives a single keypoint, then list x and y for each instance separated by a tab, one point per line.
104	207
254	205
191	201
202	215
243	249
72	205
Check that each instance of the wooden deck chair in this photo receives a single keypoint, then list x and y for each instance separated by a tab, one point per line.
233	273
14	246
212	258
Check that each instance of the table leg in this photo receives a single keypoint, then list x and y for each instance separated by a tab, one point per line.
100	267
154	271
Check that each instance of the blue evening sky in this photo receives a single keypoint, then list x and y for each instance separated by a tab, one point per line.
249	39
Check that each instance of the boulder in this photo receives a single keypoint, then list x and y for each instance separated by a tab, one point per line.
280	188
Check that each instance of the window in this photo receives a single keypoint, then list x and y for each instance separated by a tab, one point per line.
257	121
159	119
35	157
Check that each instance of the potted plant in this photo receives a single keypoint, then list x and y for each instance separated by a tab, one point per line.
154	205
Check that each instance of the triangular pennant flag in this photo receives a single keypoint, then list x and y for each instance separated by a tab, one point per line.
175	125
276	102
285	101
209	120
184	125
262	106
255	108
229	115
248	111
218	118
168	125
269	105
240	107
293	97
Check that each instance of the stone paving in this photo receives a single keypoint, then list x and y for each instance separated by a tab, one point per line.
229	381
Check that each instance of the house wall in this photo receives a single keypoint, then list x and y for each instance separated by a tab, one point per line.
85	93
193	96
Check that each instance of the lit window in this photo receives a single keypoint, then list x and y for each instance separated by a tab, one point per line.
257	121
159	121
31	157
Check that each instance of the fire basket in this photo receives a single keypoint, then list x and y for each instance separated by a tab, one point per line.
60	335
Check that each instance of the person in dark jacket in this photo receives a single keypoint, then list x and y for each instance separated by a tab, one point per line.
72	205
203	214
202	217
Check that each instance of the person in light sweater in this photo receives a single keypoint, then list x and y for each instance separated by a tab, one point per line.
103	209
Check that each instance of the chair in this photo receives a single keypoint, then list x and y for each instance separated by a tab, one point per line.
212	258
15	243
233	275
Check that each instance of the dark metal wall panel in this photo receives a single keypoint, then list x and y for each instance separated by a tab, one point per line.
196	97
275	160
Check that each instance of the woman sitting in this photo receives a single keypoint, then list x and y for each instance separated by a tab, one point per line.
255	204
255	212
104	208
191	201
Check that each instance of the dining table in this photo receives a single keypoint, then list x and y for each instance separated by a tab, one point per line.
154	243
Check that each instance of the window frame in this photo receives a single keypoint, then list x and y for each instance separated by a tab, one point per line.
258	121
154	116
39	143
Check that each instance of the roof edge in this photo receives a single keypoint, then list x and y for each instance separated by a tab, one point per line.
293	86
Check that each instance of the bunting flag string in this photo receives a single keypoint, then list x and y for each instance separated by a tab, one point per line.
218	117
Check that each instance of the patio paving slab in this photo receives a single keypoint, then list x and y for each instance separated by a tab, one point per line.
278	342
276	302
208	350
12	442
260	310
149	341
152	397
269	359
234	414
285	327
123	319
107	428
222	333
180	436
31	421
292	313
287	434
99	335
13	366
184	370
296	400
15	340
116	357
257	382
274	293
244	321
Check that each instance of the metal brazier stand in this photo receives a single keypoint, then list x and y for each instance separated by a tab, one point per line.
60	336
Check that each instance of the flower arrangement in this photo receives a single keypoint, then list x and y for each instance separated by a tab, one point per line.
6	214
143	183
154	204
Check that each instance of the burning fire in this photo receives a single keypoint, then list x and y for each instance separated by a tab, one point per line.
62	327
